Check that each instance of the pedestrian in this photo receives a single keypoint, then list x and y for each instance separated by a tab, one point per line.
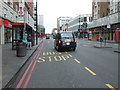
101	39
29	39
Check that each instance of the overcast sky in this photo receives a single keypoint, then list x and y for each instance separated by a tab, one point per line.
51	9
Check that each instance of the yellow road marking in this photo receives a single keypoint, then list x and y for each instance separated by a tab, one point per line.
57	59
50	58
111	87
50	53
90	71
41	59
43	53
53	52
77	60
70	55
63	58
47	53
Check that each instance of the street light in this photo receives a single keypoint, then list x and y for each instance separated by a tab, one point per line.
36	25
79	27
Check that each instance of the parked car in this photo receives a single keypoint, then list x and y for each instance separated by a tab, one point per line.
65	40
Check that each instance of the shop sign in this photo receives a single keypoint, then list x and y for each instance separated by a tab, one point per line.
20	13
7	24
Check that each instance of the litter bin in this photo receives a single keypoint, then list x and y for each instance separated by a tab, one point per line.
21	49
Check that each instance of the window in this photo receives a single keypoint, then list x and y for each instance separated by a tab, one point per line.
20	1
85	19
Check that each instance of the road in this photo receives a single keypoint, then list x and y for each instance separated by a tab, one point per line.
87	67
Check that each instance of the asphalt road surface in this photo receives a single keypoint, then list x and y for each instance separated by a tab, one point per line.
87	67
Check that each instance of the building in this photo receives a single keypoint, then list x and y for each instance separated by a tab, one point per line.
100	8
62	21
8	15
41	20
25	22
79	24
16	20
109	25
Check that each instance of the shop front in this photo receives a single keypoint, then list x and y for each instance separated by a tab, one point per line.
1	23
20	31
7	31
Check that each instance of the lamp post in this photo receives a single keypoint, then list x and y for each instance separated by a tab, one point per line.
36	25
25	12
79	27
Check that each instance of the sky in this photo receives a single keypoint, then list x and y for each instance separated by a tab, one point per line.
52	9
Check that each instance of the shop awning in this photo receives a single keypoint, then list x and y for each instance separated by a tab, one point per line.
18	24
7	23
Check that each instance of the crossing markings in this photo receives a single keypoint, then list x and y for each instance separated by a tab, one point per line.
90	71
109	86
77	60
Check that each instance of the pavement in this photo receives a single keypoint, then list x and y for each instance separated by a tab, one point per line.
109	44
11	63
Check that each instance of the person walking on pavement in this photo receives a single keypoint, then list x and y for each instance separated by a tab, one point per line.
29	39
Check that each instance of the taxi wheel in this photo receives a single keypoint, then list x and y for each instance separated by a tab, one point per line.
74	49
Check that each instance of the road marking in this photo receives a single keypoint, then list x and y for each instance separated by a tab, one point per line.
63	58
47	53
53	53
70	55
111	87
77	60
41	59
23	77
50	58
56	59
90	71
29	77
43	53
50	53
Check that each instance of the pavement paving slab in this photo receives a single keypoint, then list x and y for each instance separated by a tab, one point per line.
11	63
0	67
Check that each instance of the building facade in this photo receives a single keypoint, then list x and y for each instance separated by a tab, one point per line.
8	15
79	24
16	20
100	8
62	21
107	26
